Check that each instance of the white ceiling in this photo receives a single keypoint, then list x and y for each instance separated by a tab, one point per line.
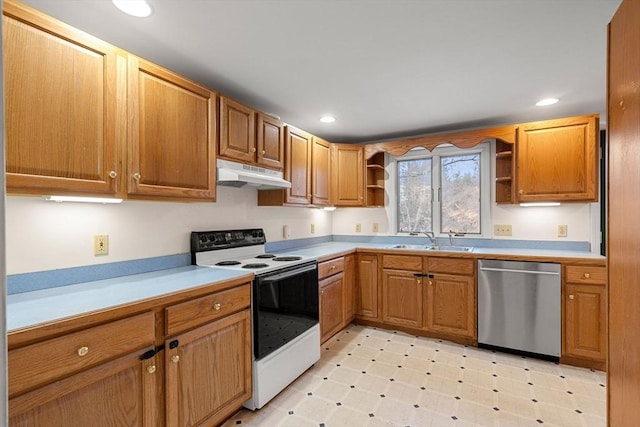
384	68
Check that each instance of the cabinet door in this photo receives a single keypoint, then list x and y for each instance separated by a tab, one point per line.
349	304
61	102
172	135
348	175
367	286
298	166
118	393
321	173
237	131
330	306
557	160
401	298
450	305
208	372
585	321
270	142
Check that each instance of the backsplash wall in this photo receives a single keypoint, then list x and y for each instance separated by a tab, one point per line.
45	235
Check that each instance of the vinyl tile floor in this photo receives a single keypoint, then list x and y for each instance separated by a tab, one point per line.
374	377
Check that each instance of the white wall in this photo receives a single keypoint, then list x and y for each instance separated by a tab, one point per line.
45	235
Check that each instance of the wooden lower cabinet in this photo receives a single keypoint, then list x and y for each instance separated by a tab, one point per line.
208	371
331	305
349	284
402	298
117	393
367	286
450	305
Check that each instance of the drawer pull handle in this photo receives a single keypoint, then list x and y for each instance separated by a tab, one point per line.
571	296
151	369
83	351
175	358
587	275
217	306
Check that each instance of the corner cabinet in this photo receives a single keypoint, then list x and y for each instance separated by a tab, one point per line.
347	182
61	136
172	135
557	160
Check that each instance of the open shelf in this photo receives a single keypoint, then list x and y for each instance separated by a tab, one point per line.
505	168
375	180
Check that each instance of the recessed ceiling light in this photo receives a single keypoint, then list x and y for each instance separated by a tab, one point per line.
137	8
327	119
546	101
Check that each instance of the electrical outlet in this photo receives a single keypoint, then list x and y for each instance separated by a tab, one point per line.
502	230
285	232
313	228
101	244
358	228
562	230
374	227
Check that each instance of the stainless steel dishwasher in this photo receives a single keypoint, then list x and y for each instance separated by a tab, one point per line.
519	306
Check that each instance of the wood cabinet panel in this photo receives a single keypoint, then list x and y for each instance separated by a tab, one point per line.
47	361
402	262
585	274
186	315
331	306
450	305
349	278
347	185
237	131
116	393
298	166
585	317
367	286
451	265
321	173
401	298
172	135
208	372
557	160
61	101
270	142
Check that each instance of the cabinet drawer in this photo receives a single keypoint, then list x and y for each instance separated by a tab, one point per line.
186	315
451	266
331	267
402	262
50	360
585	274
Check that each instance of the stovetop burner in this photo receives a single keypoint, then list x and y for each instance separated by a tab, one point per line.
266	256
255	265
228	263
287	258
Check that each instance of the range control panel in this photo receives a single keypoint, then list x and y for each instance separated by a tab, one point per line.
224	239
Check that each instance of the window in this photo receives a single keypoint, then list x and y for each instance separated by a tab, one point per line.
442	190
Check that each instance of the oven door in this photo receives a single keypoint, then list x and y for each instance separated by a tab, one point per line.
285	304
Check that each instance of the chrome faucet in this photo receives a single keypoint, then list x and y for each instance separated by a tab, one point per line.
429	234
451	234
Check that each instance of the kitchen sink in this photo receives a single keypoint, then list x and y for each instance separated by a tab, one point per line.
433	248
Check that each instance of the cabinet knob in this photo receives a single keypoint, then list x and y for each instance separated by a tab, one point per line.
83	351
136	176
430	282
217	306
175	358
151	369
520	191
571	296
253	150
333	267
587	275
112	174
419	281
263	152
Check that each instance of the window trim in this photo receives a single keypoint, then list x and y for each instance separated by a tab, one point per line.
486	194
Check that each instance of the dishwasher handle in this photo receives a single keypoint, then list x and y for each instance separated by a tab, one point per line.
510	270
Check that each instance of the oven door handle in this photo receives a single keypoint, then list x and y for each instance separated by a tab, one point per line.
288	274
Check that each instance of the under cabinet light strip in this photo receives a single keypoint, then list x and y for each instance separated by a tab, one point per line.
82	199
535	204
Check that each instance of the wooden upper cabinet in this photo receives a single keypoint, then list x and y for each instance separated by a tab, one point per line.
347	182
557	160
60	105
171	136
321	172
270	142
298	146
237	131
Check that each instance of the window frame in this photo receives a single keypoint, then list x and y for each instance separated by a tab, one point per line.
486	195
